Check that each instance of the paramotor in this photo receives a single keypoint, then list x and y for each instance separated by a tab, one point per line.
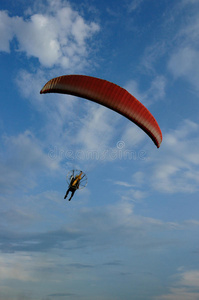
75	173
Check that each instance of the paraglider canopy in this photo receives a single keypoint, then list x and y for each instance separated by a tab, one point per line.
110	95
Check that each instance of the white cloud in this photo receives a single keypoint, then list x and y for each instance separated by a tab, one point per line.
181	50
22	157
190	278
185	63
57	110
184	58
179	294
132	87
38	37
123	183
25	151
157	89
177	165
152	54
30	85
123	225
155	92
16	267
189	1
189	33
6	31
185	288
138	178
135	195
115	226
134	4
55	39
130	194
132	136
96	130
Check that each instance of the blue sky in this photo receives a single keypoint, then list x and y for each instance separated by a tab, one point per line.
132	233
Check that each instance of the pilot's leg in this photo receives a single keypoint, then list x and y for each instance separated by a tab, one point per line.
71	196
66	193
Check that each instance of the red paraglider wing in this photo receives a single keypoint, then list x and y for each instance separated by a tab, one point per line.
109	95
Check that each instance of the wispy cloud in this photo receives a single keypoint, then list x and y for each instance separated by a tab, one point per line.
178	171
96	131
134	4
184	63
155	92
50	255
185	287
181	51
16	267
183	60
63	295
23	154
99	227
